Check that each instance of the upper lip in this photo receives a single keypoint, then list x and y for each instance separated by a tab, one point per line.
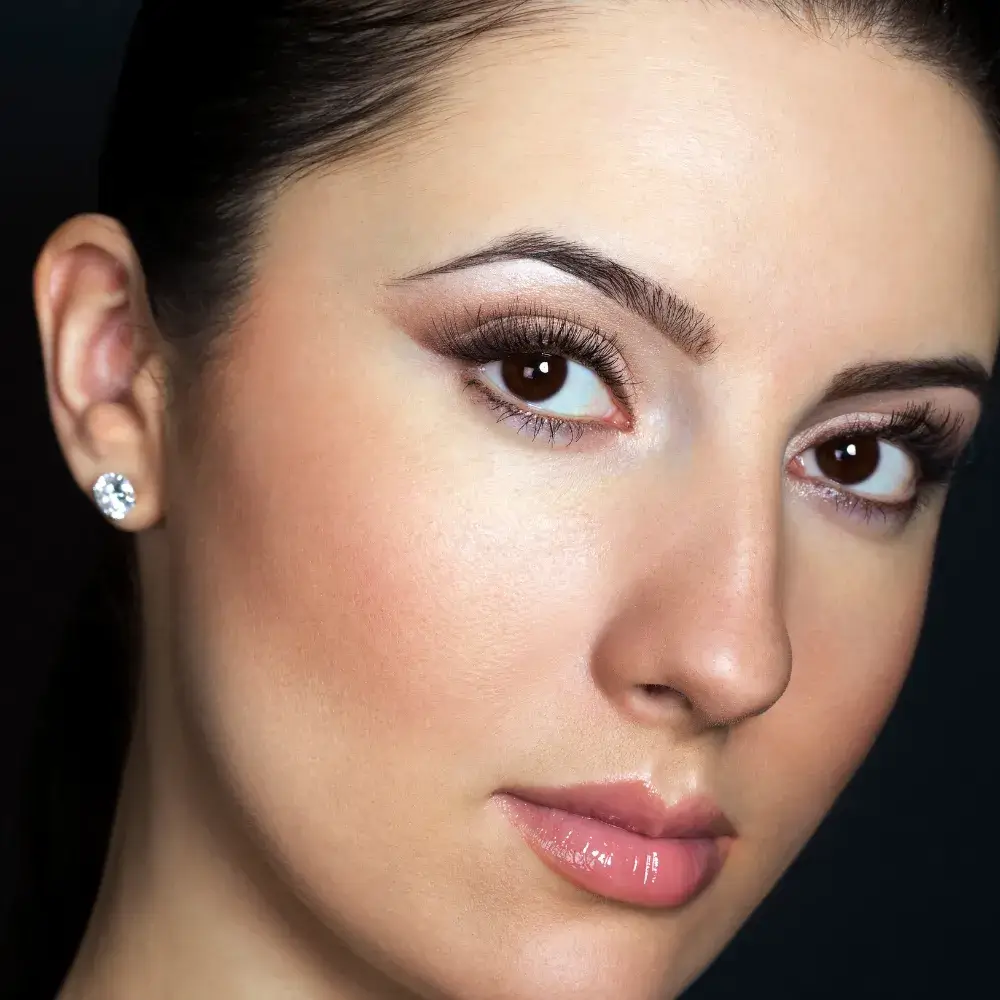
634	806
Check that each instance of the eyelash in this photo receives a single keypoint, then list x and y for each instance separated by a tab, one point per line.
528	329
931	437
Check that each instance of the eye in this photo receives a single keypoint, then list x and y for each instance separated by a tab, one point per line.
554	384
864	464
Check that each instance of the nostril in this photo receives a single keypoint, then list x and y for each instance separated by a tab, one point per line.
655	703
656	690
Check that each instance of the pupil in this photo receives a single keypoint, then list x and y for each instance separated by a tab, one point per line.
534	377
849	461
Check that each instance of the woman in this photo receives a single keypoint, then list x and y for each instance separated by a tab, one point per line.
534	420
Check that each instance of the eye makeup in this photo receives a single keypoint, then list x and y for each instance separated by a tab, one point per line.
933	440
533	335
523	329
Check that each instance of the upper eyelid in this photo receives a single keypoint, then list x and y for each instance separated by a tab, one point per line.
525	307
936	447
858	422
454	339
679	321
826	429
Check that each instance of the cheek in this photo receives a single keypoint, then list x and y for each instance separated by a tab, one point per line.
381	580
853	643
372	624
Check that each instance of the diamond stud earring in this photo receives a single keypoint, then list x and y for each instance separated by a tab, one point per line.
114	496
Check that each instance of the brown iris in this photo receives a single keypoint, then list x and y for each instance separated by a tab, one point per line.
534	377
849	460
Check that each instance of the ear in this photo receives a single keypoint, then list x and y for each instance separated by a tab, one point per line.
105	377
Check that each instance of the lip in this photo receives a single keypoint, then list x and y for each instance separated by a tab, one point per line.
621	841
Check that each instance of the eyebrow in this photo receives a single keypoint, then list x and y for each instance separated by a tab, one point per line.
684	325
690	329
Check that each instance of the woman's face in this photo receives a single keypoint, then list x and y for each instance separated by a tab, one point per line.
397	595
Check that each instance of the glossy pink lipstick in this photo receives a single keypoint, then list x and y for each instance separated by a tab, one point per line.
621	841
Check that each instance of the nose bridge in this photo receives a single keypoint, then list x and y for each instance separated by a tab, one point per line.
740	537
705	620
737	648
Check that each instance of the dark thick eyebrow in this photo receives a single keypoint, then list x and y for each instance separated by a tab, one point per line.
682	323
962	372
690	329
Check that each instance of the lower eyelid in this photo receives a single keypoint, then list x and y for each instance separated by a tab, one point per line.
543	424
851	506
866	510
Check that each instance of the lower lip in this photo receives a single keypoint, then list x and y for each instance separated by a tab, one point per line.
615	863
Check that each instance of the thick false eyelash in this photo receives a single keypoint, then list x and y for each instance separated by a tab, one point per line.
933	440
494	333
931	436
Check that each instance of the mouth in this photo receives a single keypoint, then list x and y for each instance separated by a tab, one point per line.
621	841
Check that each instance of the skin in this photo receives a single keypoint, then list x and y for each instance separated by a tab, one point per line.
369	605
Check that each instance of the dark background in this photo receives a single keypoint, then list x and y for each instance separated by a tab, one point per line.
894	897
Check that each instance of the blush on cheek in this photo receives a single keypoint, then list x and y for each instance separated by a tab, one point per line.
317	559
314	610
344	572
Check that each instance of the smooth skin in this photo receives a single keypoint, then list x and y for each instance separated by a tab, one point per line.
369	605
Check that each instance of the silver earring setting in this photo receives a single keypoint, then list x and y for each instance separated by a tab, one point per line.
114	496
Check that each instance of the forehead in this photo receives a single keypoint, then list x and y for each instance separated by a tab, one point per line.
783	181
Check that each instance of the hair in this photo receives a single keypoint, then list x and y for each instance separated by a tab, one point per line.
220	104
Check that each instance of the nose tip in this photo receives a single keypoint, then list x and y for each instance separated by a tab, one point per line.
657	664
741	680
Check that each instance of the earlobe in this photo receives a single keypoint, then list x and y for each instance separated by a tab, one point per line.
101	360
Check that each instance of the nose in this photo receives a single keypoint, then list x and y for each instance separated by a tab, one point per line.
702	632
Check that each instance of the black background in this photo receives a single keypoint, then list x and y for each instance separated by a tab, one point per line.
894	897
